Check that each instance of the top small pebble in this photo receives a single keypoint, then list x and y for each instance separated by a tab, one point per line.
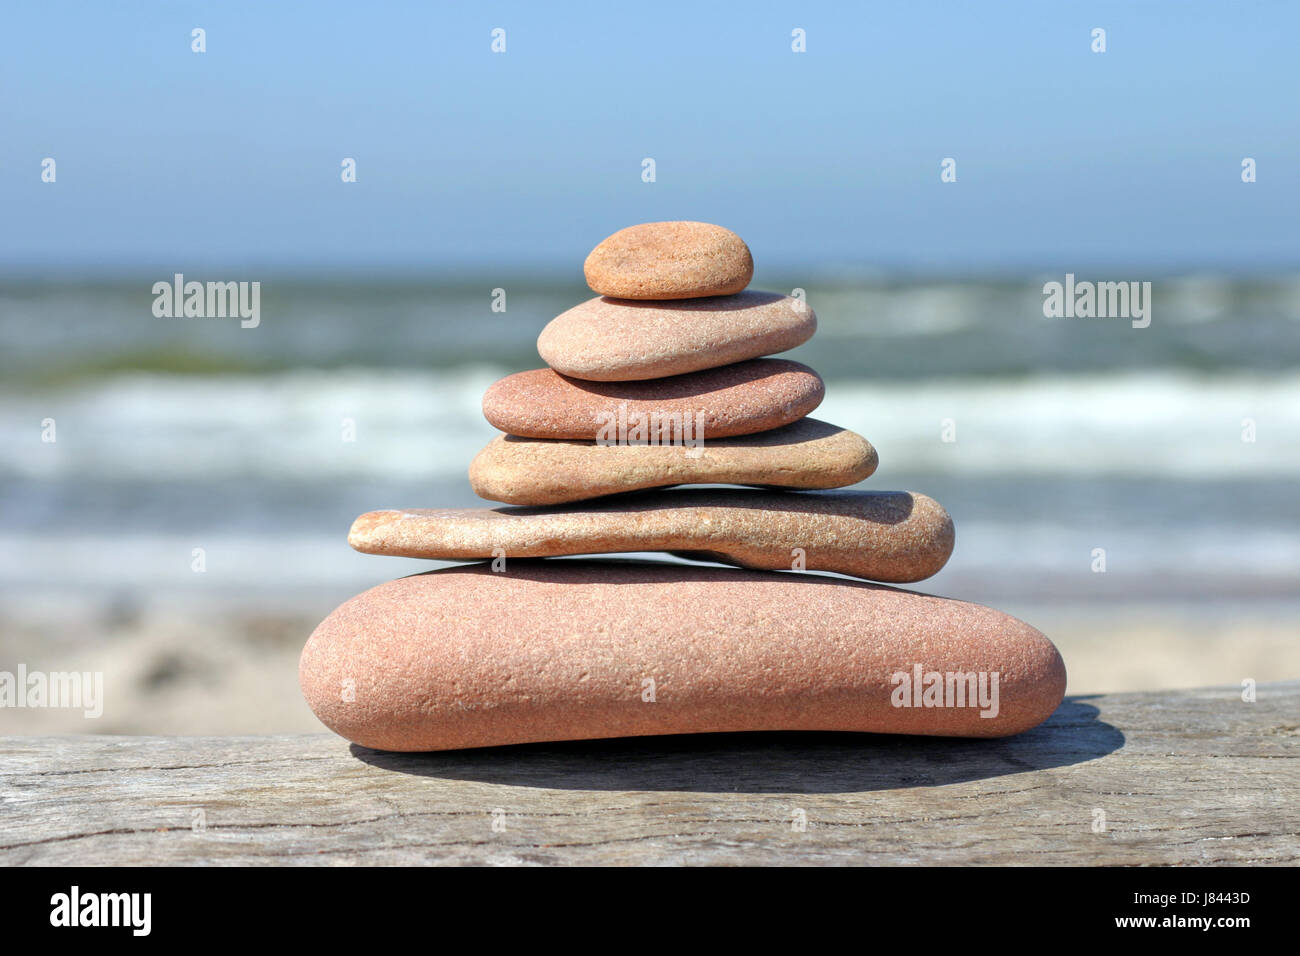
670	260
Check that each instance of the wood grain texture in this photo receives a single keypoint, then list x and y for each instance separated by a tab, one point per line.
1183	777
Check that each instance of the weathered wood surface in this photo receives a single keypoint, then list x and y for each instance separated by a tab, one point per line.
1181	777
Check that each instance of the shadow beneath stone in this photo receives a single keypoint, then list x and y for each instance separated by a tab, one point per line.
691	386
749	299
618	570
805	431
874	507
786	762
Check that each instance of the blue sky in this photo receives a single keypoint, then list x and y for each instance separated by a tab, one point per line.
469	160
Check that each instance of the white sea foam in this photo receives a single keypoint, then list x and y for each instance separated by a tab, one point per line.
1167	425
428	425
407	425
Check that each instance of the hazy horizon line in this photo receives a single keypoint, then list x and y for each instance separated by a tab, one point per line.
411	273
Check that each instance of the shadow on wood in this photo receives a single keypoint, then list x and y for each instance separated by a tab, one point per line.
1208	776
768	762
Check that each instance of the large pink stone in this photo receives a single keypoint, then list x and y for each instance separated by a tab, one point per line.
565	650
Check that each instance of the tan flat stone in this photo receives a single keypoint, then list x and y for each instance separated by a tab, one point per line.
669	260
894	536
612	340
741	399
806	454
573	650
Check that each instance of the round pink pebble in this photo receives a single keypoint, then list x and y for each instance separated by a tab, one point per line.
669	260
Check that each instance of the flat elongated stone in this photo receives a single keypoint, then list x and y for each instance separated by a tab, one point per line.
806	454
669	260
611	340
570	650
739	399
891	536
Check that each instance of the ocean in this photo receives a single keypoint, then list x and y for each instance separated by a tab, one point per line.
1168	455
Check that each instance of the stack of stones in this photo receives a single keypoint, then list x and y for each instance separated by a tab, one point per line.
661	380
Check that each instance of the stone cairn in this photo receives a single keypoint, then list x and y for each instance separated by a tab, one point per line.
661	381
